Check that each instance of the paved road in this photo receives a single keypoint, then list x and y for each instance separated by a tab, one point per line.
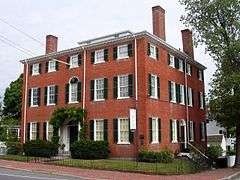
7	174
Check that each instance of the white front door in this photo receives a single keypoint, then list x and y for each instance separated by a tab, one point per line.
65	138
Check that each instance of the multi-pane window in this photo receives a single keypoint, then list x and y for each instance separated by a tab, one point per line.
182	94
51	95
201	100
51	66
35	69
99	89
153	51
154	86
33	131
122	51
155	130
49	131
200	75
191	131
74	61
99	56
189	96
34	97
123	89
98	130
171	60
123	131
172	91
174	130
180	65
73	92
189	71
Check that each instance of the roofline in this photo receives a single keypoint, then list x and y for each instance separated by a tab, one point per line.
88	44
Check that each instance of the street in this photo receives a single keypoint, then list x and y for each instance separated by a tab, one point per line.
7	174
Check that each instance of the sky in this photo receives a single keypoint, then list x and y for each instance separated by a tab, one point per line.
78	20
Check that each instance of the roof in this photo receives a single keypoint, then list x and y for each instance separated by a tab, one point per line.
215	138
115	38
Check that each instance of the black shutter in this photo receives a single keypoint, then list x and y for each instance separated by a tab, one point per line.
204	101
198	71
105	130
40	68
29	97
68	61
168	59
131	133
91	133
189	134
115	54
45	95
79	95
199	100
150	129
191	70
79	59
149	84
130	50
93	57
31	69
148	50
56	95
130	85
92	90
202	71
115	130
57	65
39	96
178	93
205	131
200	129
106	55
159	130
38	130
170	131
176	62
193	98
170	90
67	93
115	87
184	66
194	132
45	131
157	53
178	131
28	131
158	86
46	67
105	88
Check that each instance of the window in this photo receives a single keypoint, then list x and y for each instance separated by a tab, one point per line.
99	56
200	75
98	130
34	97
73	90
182	94
99	89
191	131
51	66
123	131
155	130
33	131
153	51
174	131
171	60
203	133
49	131
180	65
189	70
190	96
122	51
51	95
123	90
154	86
74	61
201	100
172	89
35	69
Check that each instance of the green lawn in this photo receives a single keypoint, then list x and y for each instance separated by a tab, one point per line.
16	158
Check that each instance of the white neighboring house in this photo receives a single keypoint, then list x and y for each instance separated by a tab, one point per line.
217	139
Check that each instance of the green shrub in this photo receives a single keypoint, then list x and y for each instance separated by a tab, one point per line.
164	156
231	152
87	149
214	151
14	148
40	148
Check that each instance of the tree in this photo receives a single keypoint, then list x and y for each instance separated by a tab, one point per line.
216	23
13	99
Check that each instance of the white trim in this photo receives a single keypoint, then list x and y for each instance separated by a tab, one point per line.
71	61
201	99
171	61
32	105
95	90
51	70
174	136
174	98
118	83
48	95
182	96
156	129
189	97
181	62
154	55
70	92
155	87
119	142
188	69
118	52
95	56
94	129
35	73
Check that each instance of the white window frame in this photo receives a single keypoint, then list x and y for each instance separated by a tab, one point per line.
189	96
182	94
156	128
119	131
173	94
48	95
122	97
70	93
50	69
200	75
201	100
96	57
188	69
203	131
171	61
73	60
31	131
35	69
191	131
47	133
174	131
95	129
95	90
155	96
32	89
153	54
181	65
119	56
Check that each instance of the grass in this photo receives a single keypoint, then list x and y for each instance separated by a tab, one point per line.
16	158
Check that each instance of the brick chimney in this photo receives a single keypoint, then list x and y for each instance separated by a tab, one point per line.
187	42
51	43
158	20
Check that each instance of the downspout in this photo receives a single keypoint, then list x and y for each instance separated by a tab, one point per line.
25	104
84	76
186	104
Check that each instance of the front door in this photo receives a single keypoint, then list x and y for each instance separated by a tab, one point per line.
73	132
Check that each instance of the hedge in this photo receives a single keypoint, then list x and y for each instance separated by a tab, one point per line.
214	151
14	148
164	156
88	149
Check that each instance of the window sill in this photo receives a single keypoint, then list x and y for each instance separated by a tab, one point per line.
33	106
202	108
36	74
98	100
101	62
152	97
75	102
153	57
171	66
173	102
203	140
155	142
174	142
119	98
51	104
183	104
190	106
74	67
123	143
120	58
49	71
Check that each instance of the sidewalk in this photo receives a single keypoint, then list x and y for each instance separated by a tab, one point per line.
101	174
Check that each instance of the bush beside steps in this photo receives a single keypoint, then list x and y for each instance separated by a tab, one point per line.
164	156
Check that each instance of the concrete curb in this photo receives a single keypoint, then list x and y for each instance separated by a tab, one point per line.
233	176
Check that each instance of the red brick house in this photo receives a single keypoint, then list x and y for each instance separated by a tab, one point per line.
108	76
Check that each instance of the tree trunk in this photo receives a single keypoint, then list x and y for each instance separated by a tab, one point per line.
237	161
